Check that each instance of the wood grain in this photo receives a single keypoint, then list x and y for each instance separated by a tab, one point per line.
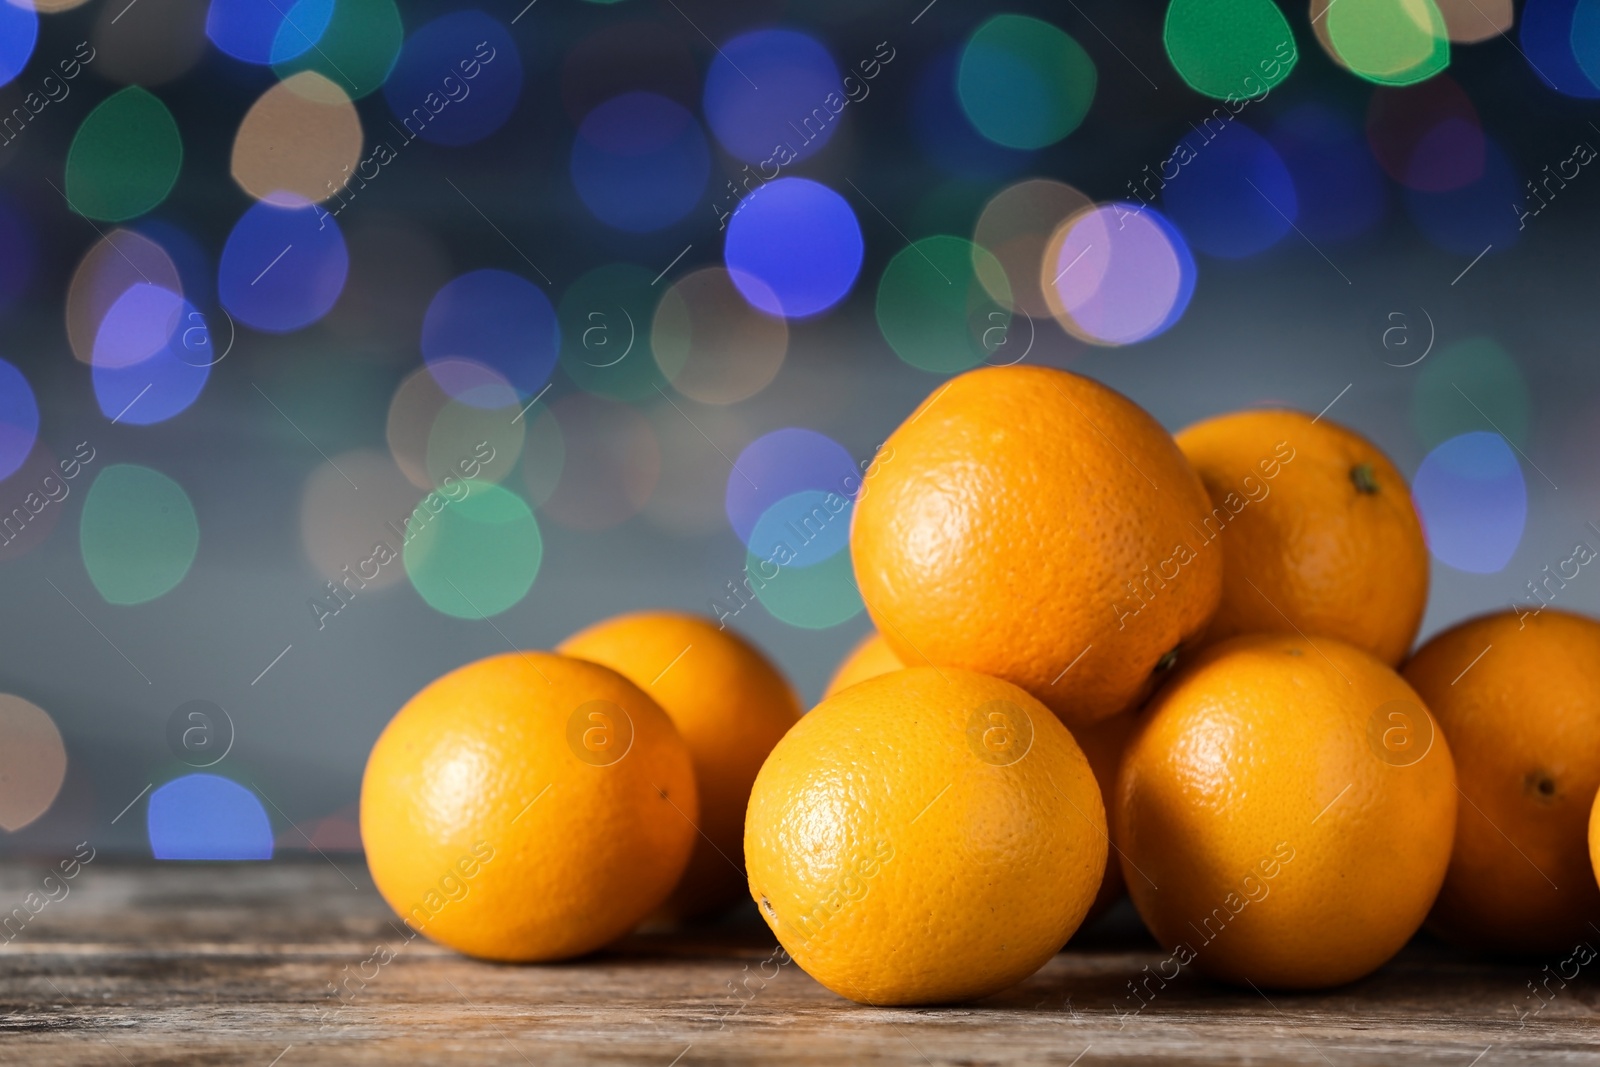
234	964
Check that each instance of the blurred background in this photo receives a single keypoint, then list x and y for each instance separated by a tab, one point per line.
345	341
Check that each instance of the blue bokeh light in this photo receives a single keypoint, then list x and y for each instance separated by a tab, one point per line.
809	524
1470	219
19	419
267	31
766	96
1229	191
207	817
143	373
1339	186
780	464
640	162
801	241
1549	43
457	80
1473	502
283	266
19	32
499	321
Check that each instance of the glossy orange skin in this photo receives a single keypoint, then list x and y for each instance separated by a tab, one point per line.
1524	724
1101	742
1264	834
485	830
1023	527
907	846
1306	548
731	706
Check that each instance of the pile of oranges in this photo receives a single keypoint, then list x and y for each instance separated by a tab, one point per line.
1105	661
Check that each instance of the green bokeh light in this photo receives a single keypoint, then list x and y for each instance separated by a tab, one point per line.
1023	83
934	308
605	333
476	556
124	157
1390	42
1472	385
1229	48
812	598
138	534
357	50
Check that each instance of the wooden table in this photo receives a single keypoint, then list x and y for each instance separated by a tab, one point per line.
232	964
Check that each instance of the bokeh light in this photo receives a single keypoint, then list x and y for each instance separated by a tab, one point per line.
457	80
19	419
946	135
1118	274
267	31
124	157
1468	220
711	344
33	762
197	277
498	320
1472	384
19	31
432	433
934	305
1232	196
138	534
799	561
1391	42
1229	49
612	463
1470	21
478	555
207	817
794	248
1427	136
341	528
1548	44
299	143
605	321
1015	227
767	97
1339	188
356	51
154	42
1024	83
1473	502
640	162
779	464
283	267
113	265
151	360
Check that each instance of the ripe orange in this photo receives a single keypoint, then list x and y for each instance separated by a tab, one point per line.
528	807
1316	529
1284	813
1101	742
870	658
731	706
1519	700
926	836
1039	527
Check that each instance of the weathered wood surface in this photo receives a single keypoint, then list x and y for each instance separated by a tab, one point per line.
232	964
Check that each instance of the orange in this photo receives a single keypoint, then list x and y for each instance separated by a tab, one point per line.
1101	742
1316	530
1519	699
1037	526
528	807
870	658
1284	813
730	704
926	836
